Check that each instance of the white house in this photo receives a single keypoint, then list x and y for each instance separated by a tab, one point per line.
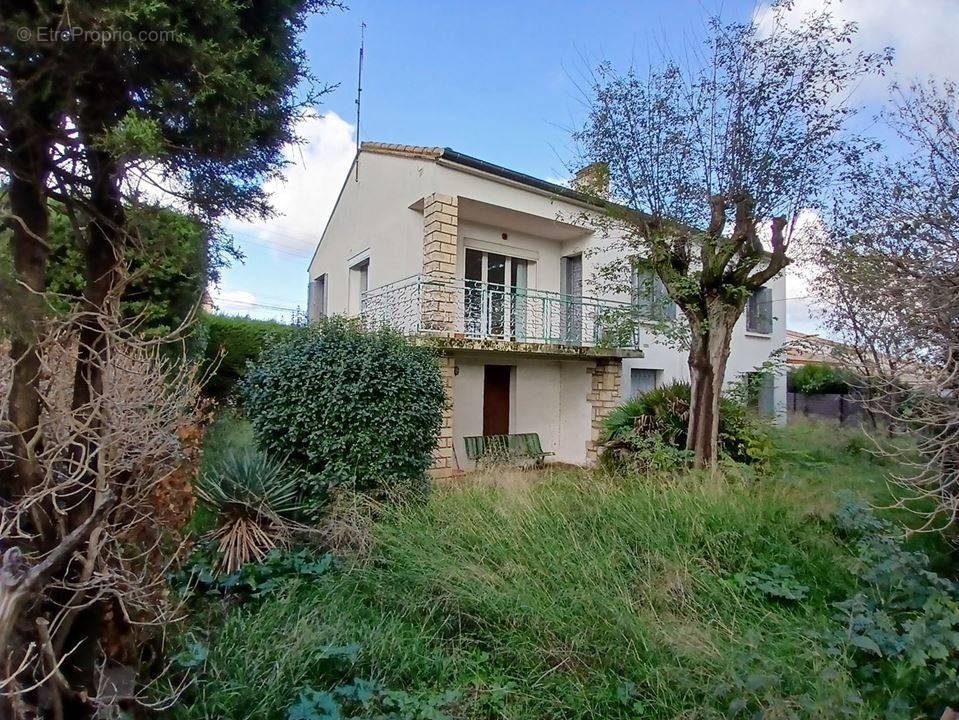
492	267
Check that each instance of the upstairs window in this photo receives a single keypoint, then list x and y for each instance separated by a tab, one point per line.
650	297
316	299
759	312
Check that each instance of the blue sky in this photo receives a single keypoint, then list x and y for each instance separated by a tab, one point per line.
499	80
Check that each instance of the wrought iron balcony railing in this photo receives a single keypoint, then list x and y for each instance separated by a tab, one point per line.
488	311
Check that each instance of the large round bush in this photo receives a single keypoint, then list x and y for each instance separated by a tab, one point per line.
347	407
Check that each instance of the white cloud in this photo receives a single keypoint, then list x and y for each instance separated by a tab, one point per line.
303	199
801	309
920	31
232	301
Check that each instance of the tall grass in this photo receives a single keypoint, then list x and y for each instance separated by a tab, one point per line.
564	595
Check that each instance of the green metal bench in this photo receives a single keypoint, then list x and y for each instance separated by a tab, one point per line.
505	448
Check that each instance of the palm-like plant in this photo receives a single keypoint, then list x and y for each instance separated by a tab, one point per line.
255	500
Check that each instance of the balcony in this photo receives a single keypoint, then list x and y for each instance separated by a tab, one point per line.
486	313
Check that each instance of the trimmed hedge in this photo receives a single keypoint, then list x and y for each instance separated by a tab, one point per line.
347	407
814	379
241	339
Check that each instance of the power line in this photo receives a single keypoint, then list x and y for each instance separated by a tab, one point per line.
283	250
245	303
273	231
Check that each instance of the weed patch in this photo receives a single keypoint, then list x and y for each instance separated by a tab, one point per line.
581	594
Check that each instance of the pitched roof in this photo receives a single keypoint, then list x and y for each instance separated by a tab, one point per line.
417	151
458	158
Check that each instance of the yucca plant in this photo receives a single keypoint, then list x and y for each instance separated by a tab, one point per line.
254	498
663	411
663	414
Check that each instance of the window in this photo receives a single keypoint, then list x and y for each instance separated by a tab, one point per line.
759	311
650	296
642	380
495	300
316	299
571	285
760	390
359	284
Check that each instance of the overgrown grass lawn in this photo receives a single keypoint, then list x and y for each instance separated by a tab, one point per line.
569	594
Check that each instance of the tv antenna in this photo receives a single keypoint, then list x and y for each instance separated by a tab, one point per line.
359	90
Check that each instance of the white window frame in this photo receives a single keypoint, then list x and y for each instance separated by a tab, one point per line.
358	266
754	318
484	320
319	297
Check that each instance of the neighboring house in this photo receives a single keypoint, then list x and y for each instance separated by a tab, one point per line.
809	349
496	269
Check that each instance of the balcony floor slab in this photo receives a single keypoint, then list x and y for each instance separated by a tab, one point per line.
452	342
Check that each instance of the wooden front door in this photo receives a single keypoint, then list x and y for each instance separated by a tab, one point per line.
496	399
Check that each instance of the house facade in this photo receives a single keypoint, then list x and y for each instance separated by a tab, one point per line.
497	270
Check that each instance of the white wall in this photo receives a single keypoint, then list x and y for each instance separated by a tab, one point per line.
747	352
575	419
545	253
547	397
372	217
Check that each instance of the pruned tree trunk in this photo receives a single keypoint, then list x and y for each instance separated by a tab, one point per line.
708	353
103	238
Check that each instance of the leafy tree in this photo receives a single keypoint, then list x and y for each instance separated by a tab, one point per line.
889	254
167	279
199	116
699	160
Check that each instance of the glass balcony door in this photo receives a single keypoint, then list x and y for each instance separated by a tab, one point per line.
495	295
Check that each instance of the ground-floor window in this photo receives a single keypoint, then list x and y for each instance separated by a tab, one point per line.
762	392
642	380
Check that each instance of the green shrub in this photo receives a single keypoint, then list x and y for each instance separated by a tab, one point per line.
240	339
899	632
663	414
168	273
366	698
346	406
814	379
198	577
